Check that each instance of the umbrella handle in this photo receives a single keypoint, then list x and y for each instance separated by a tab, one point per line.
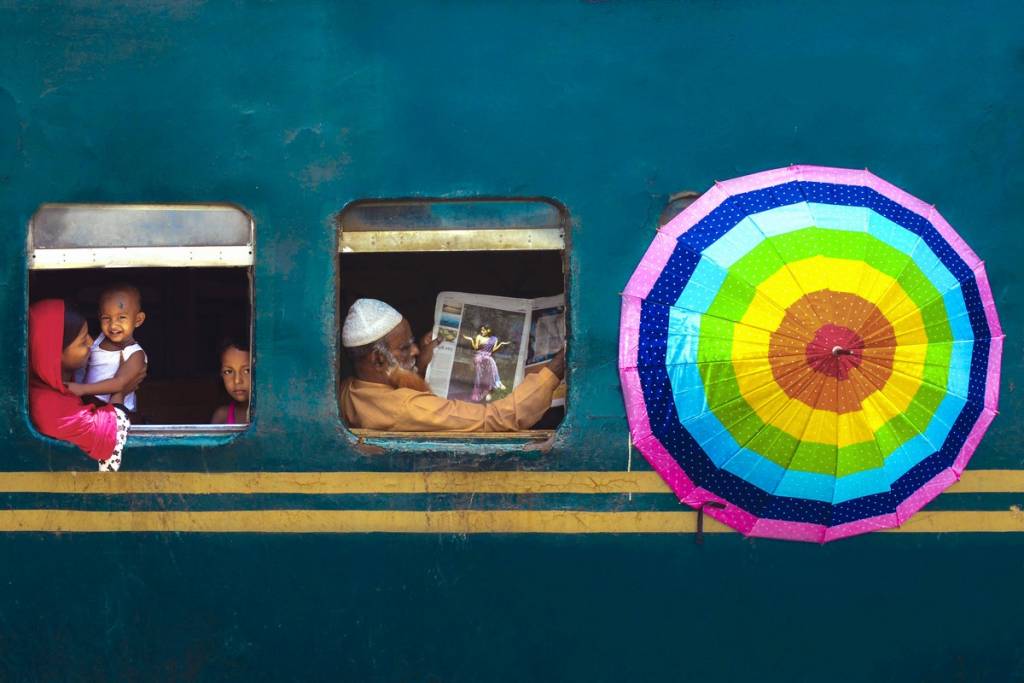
699	536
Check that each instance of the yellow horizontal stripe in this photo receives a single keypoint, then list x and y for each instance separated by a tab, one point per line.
446	522
331	482
973	481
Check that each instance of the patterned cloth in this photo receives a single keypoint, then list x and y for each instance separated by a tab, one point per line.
55	411
811	349
113	463
486	371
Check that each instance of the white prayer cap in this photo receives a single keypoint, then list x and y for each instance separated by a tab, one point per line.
367	321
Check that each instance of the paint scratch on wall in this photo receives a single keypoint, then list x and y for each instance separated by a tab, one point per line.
328	152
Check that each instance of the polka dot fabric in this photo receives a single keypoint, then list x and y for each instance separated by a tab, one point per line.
812	348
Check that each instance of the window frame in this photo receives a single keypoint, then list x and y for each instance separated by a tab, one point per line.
377	442
82	258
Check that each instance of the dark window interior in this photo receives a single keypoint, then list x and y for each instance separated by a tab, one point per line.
411	281
188	312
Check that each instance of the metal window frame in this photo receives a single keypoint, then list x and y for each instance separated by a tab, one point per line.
40	258
455	239
462	240
236	256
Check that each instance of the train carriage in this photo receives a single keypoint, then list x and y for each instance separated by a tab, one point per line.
255	167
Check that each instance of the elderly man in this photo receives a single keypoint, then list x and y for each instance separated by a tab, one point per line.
389	393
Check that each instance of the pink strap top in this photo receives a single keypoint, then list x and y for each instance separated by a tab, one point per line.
231	414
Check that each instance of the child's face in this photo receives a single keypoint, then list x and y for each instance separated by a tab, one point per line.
234	372
75	354
119	316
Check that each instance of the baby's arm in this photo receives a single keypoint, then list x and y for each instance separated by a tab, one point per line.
128	371
107	386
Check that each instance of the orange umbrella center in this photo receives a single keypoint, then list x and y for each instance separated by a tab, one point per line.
832	350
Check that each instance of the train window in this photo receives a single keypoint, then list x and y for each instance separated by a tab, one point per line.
500	264
192	267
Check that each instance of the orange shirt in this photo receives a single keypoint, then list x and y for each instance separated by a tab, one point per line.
369	405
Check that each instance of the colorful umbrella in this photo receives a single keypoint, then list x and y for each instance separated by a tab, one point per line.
812	350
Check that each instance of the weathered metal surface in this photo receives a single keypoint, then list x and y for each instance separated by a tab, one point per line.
297	110
450	240
140	257
79	226
443	481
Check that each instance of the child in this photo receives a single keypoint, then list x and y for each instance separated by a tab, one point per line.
59	344
114	352
234	372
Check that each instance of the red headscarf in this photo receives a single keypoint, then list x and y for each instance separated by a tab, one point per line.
55	411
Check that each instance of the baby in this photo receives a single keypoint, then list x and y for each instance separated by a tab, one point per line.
234	372
114	353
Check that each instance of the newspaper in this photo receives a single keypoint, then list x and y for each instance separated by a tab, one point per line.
489	343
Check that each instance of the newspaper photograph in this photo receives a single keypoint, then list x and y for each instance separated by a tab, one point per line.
483	339
547	338
488	343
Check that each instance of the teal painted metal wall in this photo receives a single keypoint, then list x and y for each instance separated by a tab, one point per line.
294	109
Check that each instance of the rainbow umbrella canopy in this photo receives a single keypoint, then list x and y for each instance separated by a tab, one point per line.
812	351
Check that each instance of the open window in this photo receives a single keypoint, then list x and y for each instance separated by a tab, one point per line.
192	265
407	252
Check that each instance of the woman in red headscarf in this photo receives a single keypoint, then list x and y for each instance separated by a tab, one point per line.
59	342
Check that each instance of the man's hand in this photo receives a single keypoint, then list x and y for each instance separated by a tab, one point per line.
76	388
557	364
427	346
407	379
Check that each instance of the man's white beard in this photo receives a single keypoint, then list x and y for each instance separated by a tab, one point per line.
404	376
393	363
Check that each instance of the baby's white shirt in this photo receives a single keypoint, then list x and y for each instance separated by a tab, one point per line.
103	365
